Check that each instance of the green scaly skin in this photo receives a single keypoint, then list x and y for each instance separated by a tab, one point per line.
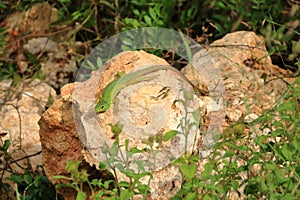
114	87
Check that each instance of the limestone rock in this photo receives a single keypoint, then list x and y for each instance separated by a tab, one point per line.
242	75
35	20
251	83
20	110
248	74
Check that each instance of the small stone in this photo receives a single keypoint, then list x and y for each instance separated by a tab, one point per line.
249	118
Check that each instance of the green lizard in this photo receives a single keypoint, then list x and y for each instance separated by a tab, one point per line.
113	88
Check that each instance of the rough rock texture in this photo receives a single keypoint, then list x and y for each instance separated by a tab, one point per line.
59	66
33	21
251	82
241	58
20	109
236	56
60	139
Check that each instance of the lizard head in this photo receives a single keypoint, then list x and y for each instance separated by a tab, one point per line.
102	106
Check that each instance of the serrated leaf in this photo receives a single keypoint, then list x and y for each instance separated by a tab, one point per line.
169	135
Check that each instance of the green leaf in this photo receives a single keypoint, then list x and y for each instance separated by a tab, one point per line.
18	194
143	189
136	150
120	167
60	177
207	173
6	145
16	79
126	144
124	184
152	13
50	101
136	12
196	115
289	105
126	194
270	165
191	196
188	170
107	183
102	166
116	128
289	197
147	20
99	62
63	185
228	153
288	150
207	197
81	196
90	65
27	179
72	167
37	180
169	135
114	150
126	48
15	178
32	58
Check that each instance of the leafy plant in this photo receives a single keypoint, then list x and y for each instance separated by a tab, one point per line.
265	165
78	178
30	186
115	161
35	187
